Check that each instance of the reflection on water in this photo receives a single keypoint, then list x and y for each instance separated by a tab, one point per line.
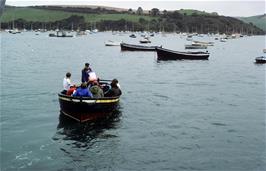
82	134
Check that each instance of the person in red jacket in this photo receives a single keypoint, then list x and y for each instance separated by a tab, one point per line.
71	90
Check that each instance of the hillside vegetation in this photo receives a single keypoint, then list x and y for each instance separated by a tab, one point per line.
259	21
66	17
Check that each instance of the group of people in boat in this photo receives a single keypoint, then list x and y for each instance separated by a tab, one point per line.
90	85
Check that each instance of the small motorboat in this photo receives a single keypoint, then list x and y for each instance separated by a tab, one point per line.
81	33
112	43
52	35
131	47
260	60
203	43
133	36
167	54
223	40
196	46
145	41
189	38
84	109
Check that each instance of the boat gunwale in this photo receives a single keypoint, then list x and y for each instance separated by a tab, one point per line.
198	53
87	98
138	46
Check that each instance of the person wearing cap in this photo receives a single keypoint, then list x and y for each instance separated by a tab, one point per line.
67	83
85	73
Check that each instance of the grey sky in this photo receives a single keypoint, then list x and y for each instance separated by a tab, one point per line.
226	7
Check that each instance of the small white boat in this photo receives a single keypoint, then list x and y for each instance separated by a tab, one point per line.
14	31
145	40
196	46
81	33
203	43
223	40
95	31
112	43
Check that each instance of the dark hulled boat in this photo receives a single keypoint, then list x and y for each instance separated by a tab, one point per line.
130	47
166	54
87	109
260	60
195	46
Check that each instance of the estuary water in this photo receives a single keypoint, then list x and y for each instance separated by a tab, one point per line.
173	115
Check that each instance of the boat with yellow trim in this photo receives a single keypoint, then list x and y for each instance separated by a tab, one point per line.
84	109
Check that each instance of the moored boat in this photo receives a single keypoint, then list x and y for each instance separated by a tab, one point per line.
84	109
81	33
145	41
133	36
189	38
223	40
195	46
166	54
203	43
112	43
131	47
260	59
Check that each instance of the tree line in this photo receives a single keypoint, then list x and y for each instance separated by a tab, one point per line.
165	21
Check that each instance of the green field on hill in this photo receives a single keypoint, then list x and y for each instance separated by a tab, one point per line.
31	14
259	21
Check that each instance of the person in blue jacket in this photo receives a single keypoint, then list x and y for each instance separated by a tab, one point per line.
82	91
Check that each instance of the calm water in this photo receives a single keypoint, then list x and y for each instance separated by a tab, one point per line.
173	115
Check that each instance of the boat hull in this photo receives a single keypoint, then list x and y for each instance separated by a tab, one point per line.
112	43
129	47
145	41
195	47
166	54
260	60
87	109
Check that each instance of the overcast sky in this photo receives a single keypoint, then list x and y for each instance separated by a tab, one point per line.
225	7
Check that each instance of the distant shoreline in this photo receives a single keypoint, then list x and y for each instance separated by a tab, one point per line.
109	18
